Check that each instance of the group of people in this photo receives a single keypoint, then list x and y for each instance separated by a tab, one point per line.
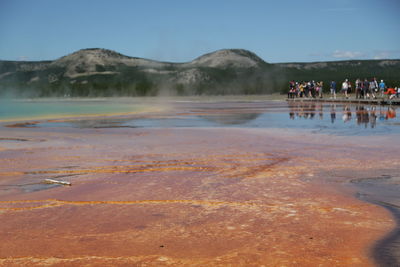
363	89
305	89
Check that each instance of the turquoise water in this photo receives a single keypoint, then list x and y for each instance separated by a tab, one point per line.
31	109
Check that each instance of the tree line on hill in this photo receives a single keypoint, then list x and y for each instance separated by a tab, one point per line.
95	73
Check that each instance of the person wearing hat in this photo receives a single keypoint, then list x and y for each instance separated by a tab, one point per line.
382	87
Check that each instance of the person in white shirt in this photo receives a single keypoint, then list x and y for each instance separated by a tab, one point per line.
345	88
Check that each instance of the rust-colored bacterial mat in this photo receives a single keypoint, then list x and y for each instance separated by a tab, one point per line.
204	196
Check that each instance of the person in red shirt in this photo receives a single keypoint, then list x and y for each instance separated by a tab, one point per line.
390	92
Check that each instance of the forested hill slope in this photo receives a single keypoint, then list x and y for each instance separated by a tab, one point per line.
102	72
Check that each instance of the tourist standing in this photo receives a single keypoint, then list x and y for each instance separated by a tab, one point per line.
365	88
376	86
301	89
318	89
373	87
333	89
312	89
291	90
306	89
348	87
358	88
382	87
345	87
297	89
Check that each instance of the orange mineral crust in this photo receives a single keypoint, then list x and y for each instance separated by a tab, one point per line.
187	197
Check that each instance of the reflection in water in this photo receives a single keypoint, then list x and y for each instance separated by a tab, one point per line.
321	112
363	114
333	113
346	113
232	119
333	118
372	117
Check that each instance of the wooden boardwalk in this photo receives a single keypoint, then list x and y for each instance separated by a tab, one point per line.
378	101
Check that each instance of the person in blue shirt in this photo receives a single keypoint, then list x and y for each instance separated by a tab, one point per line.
333	89
382	87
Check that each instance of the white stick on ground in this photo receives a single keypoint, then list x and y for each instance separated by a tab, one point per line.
52	181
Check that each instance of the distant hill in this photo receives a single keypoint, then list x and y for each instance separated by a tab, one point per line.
102	72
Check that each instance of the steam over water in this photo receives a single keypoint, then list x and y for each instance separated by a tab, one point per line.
36	109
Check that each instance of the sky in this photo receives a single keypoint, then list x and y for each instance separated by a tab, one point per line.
181	30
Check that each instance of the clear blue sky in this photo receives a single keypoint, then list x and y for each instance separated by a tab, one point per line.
181	30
